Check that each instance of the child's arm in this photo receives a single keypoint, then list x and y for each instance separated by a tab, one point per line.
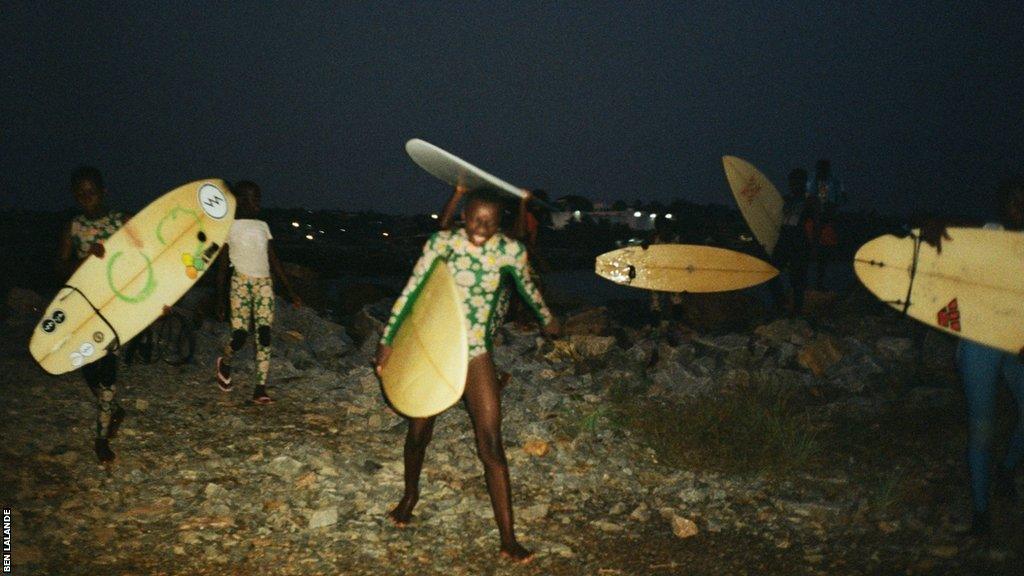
277	270
520	228
432	250
531	295
223	261
448	214
65	264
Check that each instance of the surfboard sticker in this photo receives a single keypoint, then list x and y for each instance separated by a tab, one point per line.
212	201
949	316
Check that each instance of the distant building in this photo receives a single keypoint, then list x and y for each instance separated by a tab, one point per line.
633	219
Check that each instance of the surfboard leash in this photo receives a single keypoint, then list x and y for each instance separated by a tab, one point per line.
913	272
116	342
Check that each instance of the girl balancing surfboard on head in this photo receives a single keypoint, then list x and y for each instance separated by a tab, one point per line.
477	256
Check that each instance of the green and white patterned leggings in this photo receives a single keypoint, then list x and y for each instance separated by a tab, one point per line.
252	305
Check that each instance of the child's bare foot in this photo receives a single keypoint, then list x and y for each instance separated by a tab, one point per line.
401	515
514	552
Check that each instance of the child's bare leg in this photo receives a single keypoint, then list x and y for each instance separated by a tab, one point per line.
416	440
483	398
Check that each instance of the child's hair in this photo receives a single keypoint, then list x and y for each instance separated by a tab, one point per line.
90	173
486	196
245	187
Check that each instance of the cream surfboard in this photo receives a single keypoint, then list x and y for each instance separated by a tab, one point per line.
426	372
457	172
759	201
683	268
974	289
148	264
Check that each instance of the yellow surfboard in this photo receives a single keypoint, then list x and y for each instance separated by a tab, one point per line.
148	264
759	200
683	268
426	372
974	289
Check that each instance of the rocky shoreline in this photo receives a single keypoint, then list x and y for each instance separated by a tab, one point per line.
869	477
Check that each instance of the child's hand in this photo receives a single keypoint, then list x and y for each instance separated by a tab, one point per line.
553	328
933	232
460	189
383	353
97	250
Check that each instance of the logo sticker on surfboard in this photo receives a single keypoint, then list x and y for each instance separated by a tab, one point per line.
213	202
949	316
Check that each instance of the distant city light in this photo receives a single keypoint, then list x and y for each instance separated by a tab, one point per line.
321	231
295	224
309	236
341	229
385	234
434	216
653	215
576	214
637	214
668	216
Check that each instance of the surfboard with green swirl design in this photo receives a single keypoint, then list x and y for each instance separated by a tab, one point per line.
148	264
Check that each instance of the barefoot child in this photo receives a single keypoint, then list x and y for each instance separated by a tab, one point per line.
83	236
252	289
477	255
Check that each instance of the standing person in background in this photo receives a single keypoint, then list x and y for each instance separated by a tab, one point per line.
980	369
84	236
825	194
252	288
793	249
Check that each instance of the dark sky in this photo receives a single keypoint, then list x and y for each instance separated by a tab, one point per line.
917	104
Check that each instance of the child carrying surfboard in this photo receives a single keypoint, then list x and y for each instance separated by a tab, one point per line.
84	236
477	255
254	262
980	369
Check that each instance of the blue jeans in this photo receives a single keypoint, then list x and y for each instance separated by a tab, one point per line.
980	367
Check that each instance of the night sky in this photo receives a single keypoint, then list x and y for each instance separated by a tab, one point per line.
918	107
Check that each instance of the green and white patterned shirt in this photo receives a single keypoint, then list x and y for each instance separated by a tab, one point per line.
477	272
87	231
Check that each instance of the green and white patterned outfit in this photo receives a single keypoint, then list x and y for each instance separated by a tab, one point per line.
100	376
252	302
87	231
477	271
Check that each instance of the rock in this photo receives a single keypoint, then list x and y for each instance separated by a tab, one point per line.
792	330
324	517
605	526
537	448
366	324
215	492
533	512
25	303
641	513
593	322
683	527
894	348
946	551
820	355
285	467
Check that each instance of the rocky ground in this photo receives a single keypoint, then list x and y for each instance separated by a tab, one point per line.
828	446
